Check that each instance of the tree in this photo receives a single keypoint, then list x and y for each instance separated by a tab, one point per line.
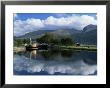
51	39
25	41
18	42
46	38
66	41
56	41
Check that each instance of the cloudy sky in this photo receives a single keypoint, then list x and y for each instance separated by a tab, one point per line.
28	22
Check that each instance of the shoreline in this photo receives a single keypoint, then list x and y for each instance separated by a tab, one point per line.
79	48
18	49
21	48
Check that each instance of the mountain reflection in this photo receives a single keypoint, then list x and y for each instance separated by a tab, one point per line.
52	62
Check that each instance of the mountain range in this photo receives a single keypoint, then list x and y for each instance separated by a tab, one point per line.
86	36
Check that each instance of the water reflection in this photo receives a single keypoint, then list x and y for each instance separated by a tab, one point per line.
55	62
33	54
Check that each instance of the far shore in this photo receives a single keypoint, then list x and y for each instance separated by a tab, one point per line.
90	48
18	49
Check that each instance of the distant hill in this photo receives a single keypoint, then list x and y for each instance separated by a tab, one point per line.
34	34
89	28
86	36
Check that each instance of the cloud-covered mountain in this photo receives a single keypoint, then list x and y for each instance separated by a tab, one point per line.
76	21
34	34
89	28
86	36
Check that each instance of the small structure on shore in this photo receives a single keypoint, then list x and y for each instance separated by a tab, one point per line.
35	46
77	44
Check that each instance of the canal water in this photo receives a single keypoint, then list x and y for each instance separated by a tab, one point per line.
55	62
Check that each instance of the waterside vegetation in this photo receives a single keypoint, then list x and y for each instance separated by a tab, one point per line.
55	43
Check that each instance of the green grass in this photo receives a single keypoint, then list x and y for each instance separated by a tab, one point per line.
90	48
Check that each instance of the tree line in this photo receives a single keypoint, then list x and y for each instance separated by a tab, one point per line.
46	38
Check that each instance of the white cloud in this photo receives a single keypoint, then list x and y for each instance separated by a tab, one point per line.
35	22
29	25
74	21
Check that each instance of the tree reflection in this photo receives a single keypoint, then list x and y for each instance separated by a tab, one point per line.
67	53
61	55
49	55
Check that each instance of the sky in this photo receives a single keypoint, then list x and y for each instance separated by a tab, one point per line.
29	22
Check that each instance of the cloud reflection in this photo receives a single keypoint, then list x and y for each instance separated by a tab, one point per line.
51	67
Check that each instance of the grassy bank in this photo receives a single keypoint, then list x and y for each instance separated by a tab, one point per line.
62	47
90	48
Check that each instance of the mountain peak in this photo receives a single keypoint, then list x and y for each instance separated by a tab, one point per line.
89	27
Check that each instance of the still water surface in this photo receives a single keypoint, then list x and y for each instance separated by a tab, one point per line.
50	62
